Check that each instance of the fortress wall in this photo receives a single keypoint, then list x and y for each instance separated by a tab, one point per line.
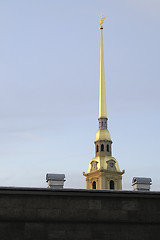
36	214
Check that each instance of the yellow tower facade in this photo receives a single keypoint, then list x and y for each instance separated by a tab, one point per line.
103	171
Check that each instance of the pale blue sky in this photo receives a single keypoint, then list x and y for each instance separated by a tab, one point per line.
49	75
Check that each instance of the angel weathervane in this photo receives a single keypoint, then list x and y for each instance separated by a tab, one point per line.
101	20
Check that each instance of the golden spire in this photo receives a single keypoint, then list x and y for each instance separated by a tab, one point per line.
102	91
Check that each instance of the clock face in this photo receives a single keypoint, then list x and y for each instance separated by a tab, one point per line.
111	164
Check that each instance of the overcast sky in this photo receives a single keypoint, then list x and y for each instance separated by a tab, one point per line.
49	76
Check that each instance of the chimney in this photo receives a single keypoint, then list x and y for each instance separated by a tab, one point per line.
55	181
141	184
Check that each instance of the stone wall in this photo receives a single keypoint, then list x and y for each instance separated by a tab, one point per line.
36	214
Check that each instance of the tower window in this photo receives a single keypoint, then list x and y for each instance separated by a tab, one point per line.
97	149
94	185
107	147
102	147
102	124
111	184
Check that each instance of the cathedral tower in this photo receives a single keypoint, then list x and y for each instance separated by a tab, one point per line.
103	171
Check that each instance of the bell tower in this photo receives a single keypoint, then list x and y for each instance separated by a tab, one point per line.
103	171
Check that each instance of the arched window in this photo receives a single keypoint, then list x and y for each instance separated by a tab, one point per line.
111	184
107	147
94	185
102	147
97	149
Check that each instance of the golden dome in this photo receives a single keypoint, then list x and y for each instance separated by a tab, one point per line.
103	134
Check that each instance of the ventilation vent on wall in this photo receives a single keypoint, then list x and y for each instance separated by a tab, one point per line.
55	181
141	183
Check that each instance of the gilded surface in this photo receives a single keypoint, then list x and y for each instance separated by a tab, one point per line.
103	134
102	90
102	163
